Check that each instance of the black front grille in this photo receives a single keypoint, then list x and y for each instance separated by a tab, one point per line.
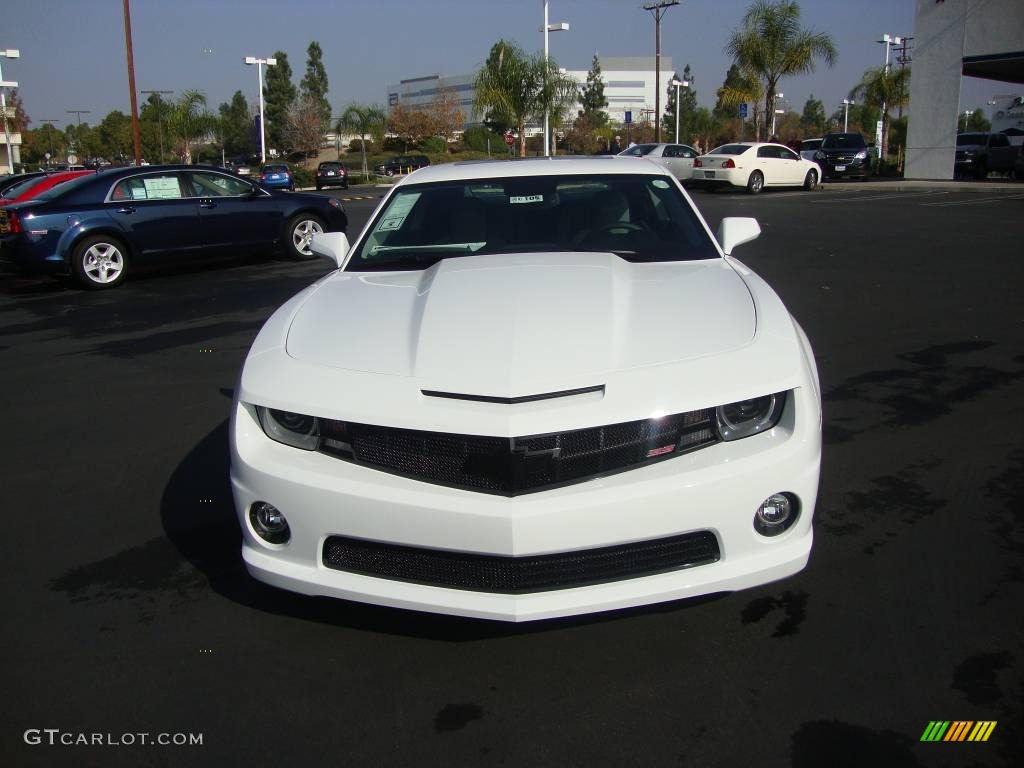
513	466
518	575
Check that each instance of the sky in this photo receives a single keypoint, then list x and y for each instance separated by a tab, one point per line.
72	51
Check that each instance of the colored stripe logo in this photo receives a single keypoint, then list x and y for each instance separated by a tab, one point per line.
958	730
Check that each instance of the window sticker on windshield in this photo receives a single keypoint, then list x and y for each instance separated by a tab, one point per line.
526	199
162	188
396	213
660	183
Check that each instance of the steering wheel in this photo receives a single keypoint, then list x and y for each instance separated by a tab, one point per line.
618	229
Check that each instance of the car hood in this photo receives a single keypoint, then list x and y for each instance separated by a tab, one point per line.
522	324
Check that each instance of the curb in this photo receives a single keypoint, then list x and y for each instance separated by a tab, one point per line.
907	185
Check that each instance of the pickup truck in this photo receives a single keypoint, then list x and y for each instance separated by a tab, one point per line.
979	153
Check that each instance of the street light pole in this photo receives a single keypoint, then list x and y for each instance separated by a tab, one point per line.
685	84
50	136
250	60
159	119
658	9
886	40
775	110
846	114
558	27
7	53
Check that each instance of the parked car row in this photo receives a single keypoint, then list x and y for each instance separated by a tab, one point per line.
750	165
97	227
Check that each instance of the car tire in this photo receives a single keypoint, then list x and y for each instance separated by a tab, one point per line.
99	262
755	183
389	172
318	187
300	228
811	180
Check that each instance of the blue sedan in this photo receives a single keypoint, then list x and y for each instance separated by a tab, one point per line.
277	176
100	227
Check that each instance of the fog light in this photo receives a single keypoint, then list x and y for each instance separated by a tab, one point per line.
269	523
776	513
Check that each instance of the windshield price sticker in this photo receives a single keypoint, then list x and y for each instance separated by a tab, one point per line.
389	224
526	199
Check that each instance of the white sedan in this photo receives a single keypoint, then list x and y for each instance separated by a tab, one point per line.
678	158
755	166
529	390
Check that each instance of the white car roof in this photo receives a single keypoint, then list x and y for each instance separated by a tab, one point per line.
533	166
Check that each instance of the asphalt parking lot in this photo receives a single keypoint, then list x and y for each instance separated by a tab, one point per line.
128	611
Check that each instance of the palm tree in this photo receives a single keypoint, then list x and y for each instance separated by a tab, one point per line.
883	89
558	96
362	119
507	87
771	45
188	120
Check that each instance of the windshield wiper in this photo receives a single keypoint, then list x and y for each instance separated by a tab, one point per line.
431	248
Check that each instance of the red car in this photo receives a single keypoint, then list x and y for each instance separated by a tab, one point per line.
28	189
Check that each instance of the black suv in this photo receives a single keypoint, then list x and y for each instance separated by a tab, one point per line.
843	154
979	153
402	164
331	174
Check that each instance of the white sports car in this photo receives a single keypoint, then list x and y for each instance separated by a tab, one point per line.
754	166
529	390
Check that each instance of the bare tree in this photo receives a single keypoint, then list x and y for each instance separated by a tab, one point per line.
411	125
445	114
304	127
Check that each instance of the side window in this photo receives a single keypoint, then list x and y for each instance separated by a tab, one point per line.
158	186
670	151
787	154
687	152
206	184
767	152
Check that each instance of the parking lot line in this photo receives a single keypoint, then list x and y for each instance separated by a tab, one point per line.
882	196
974	202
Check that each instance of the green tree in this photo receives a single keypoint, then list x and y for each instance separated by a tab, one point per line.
592	97
364	119
735	90
813	118
278	95
495	121
687	106
189	122
882	90
116	135
978	122
314	84
236	126
772	45
517	88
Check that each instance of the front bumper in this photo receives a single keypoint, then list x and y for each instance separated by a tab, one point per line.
830	168
715	489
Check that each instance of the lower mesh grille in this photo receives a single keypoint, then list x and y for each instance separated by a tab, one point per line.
517	575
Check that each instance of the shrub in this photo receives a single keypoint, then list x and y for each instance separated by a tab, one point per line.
475	139
434	145
356	146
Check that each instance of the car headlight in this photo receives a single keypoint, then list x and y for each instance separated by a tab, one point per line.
294	429
749	417
819	155
862	155
335	203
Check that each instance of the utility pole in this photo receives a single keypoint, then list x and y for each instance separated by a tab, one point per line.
159	119
78	113
136	140
903	57
658	10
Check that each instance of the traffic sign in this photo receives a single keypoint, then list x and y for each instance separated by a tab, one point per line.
509	139
743	110
629	116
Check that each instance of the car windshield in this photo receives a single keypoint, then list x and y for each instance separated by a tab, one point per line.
730	149
64	187
22	186
639	150
810	144
971	139
844	141
639	217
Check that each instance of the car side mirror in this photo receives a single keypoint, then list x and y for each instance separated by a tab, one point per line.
736	230
332	246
